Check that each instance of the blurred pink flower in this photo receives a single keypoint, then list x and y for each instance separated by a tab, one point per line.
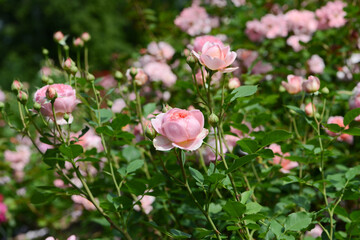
316	64
301	22
216	57
339	120
194	20
161	50
238	3
247	57
209	154
85	36
234	83
255	30
311	85
201	40
2	96
108	82
78	42
65	102
294	41
286	165
293	84
118	105
59	183
354	100
146	203
90	140
332	15
19	158
58	36
315	232
84	202
159	71
275	26
46	71
179	128
309	109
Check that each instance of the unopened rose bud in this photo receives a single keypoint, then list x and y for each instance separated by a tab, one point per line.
90	77
311	85
2	105
85	37
166	108
234	83
51	81
45	52
141	78
68	63
66	48
66	117
119	76
109	103
133	72
150	131
37	106
16	86
58	36
22	97
191	61
51	93
309	110
213	119
44	79
325	90
78	42
73	70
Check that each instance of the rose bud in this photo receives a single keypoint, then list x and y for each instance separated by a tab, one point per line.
191	61
234	83
309	110
311	85
66	117
44	79
2	105
109	103
37	106
293	86
45	52
213	119
133	71
150	131
119	76
78	42
141	78
58	36
68	63
179	128
50	81
90	77
166	108
51	93
22	97
16	86
85	37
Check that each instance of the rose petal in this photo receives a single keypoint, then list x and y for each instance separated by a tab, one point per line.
192	145
161	143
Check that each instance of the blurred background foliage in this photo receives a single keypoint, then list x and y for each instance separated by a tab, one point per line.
119	28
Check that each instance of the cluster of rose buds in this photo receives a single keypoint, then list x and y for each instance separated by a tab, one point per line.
296	84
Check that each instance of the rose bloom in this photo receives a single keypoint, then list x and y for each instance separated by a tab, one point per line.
316	64
58	36
146	203
179	128
255	30
301	22
247	58
315	232
108	82
84	202
90	140
275	26
158	71
309	109
200	41
311	85
216	57
194	20
19	158
294	41
286	165
64	103
332	15
339	120
118	105
161	50
234	83
293	85
209	154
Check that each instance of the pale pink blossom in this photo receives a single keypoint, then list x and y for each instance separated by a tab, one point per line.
301	22
2	96
161	50
311	85
247	57
293	84
159	71
108	82
238	3
315	232
209	154
294	41
118	105
65	102
316	64
201	40
90	140
72	237
78	42
339	120
286	165
234	83
85	36
84	202
179	128
58	36
59	183
194	20
255	30
18	159
146	203
332	15
309	109
46	71
216	57
275	26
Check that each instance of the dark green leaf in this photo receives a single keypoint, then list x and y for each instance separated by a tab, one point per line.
248	145
134	165
149	108
177	234
252	207
234	209
72	151
351	115
196	175
297	221
242	91
275	136
241	161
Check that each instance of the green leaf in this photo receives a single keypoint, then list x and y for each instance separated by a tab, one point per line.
134	165
352	172
149	108
72	151
120	121
245	196
332	127
297	221
242	91
41	197
136	187
107	130
253	207
248	145
276	228
105	114
351	115
196	175
240	161
234	209
131	153
177	234
352	131
275	136
183	157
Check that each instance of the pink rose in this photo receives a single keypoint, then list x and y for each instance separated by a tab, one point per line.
332	15
286	165
315	232
64	103
275	26
316	64
161	50
84	202
255	30
311	85
108	82
216	57
159	71
118	105
234	83
2	96
293	85
179	128
3	210
18	159
309	109
78	42
301	22
200	41
58	36
294	41
90	140
339	120
146	203
85	36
